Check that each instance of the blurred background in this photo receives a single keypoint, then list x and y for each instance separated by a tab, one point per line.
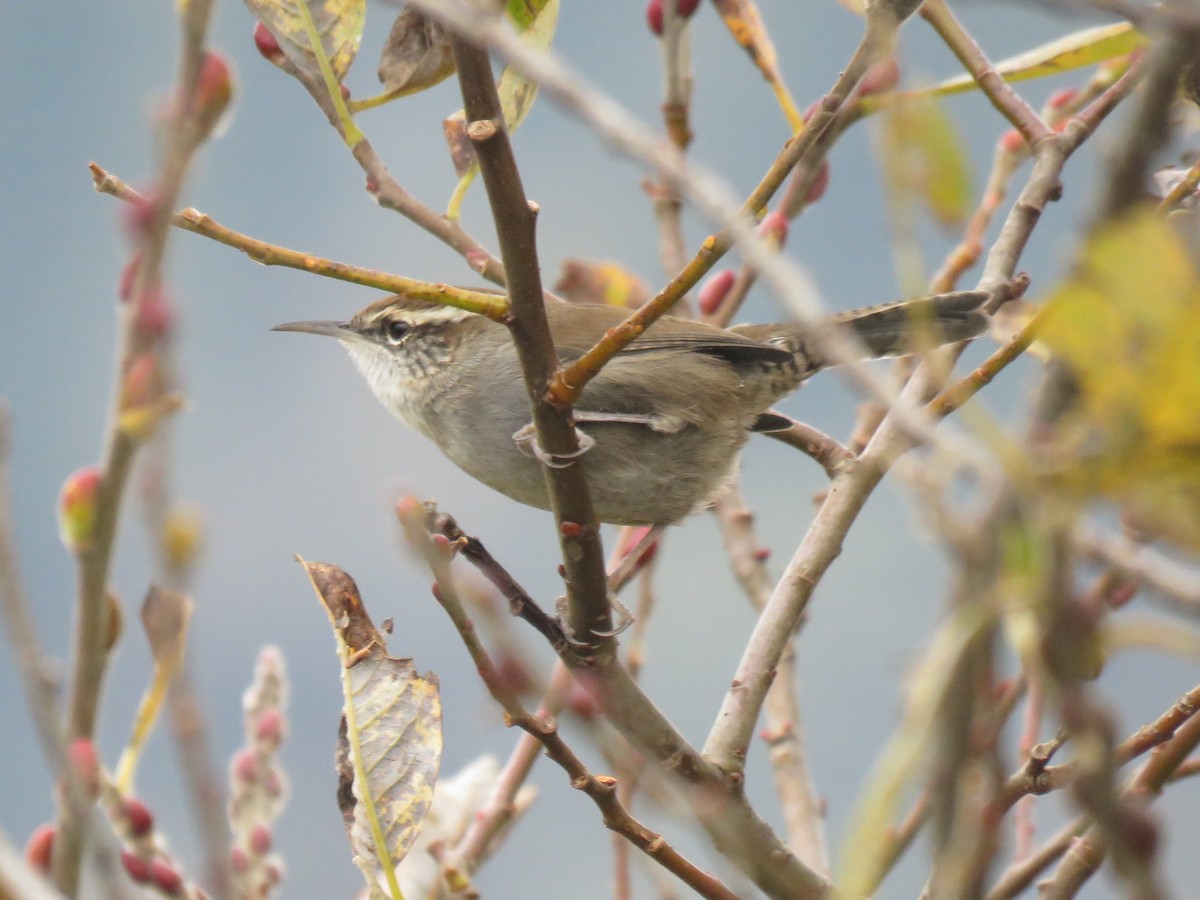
283	450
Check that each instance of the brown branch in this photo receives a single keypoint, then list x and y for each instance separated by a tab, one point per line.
952	397
802	807
1086	855
1009	103
716	798
588	612
1177	583
492	821
494	306
600	789
91	638
569	382
816	444
520	604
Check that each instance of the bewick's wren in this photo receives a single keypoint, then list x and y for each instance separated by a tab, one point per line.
666	416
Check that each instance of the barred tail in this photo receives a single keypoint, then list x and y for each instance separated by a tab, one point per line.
894	329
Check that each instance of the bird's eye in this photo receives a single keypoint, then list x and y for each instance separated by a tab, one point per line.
395	330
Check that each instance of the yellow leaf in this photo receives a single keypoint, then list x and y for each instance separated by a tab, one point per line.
339	23
536	20
390	740
925	157
1127	323
1074	51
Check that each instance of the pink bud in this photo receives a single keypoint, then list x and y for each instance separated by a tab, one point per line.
714	290
820	184
139	214
1062	97
774	228
245	766
128	277
881	77
154	319
77	508
1012	141
239	861
39	849
270	728
260	839
82	756
138	817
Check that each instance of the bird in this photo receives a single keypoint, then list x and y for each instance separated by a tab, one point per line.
663	421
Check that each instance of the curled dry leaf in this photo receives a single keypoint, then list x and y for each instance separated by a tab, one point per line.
416	55
536	20
390	738
746	26
586	281
339	23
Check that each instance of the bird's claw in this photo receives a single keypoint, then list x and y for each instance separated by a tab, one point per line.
526	440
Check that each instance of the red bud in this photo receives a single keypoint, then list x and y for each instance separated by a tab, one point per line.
1062	97
270	728
136	867
239	861
39	849
266	43
820	184
654	13
82	756
128	276
214	91
77	508
166	878
713	292
138	817
154	319
774	228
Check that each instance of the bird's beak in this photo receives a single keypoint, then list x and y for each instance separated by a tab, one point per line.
340	330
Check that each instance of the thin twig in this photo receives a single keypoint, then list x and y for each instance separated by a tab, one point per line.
494	306
1179	584
717	799
937	13
600	789
803	809
91	637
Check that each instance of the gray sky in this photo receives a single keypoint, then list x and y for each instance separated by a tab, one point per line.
284	451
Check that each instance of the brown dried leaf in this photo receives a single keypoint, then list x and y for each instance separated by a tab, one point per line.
390	738
536	20
339	23
417	54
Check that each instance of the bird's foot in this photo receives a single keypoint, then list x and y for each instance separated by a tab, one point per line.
527	442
